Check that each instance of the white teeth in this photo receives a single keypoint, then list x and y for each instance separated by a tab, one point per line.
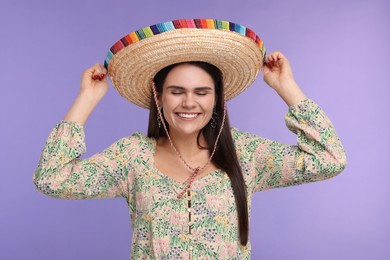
188	115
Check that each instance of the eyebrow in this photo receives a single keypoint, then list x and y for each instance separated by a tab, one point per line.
183	88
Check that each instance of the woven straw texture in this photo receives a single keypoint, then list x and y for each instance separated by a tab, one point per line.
133	67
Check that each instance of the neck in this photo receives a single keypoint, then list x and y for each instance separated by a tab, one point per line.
186	145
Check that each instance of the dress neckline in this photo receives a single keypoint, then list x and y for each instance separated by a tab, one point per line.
153	144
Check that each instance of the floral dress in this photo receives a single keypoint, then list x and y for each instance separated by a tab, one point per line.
202	224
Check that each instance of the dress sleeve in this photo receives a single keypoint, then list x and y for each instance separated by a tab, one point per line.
318	155
61	174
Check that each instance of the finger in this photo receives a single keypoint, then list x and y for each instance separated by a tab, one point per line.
103	72
98	72
275	55
269	59
280	56
270	62
271	56
275	58
102	76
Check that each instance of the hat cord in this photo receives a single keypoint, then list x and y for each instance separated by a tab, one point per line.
195	170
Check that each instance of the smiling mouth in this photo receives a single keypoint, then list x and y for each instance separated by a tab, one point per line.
188	115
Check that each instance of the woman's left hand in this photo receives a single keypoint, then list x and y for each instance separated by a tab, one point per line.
278	75
277	70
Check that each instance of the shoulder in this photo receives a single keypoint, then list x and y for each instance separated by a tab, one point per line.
139	137
239	135
245	140
137	142
141	140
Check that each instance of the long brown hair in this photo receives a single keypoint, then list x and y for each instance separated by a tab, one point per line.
225	156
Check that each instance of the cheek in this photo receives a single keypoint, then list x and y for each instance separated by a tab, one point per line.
166	103
210	105
168	106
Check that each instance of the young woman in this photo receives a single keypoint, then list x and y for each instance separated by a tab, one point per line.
189	182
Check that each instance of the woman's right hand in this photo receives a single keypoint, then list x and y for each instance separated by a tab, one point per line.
93	88
94	83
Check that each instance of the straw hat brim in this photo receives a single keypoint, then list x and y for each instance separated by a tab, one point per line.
133	68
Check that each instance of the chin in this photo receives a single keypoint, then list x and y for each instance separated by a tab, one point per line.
188	130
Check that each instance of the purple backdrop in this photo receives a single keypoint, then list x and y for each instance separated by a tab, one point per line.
339	53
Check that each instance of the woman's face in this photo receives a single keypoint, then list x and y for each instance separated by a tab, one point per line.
187	99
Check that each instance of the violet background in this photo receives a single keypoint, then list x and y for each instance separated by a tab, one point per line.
340	57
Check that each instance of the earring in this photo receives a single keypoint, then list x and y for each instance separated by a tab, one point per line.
214	118
159	121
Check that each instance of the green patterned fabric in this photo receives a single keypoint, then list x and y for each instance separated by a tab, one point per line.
159	220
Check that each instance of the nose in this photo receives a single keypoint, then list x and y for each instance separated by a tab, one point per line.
189	101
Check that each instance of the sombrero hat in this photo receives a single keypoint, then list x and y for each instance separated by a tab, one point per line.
135	59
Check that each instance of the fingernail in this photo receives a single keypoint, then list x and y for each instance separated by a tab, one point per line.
102	76
95	77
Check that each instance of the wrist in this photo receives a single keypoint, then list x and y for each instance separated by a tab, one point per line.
81	109
290	92
87	97
286	85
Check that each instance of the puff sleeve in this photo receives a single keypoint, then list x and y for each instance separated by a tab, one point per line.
318	155
61	174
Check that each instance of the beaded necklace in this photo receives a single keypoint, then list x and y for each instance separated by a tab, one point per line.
195	171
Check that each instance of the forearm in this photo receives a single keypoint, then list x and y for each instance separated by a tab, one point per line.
291	93
278	75
93	87
81	109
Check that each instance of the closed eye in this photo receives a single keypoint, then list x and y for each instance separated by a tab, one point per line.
201	91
